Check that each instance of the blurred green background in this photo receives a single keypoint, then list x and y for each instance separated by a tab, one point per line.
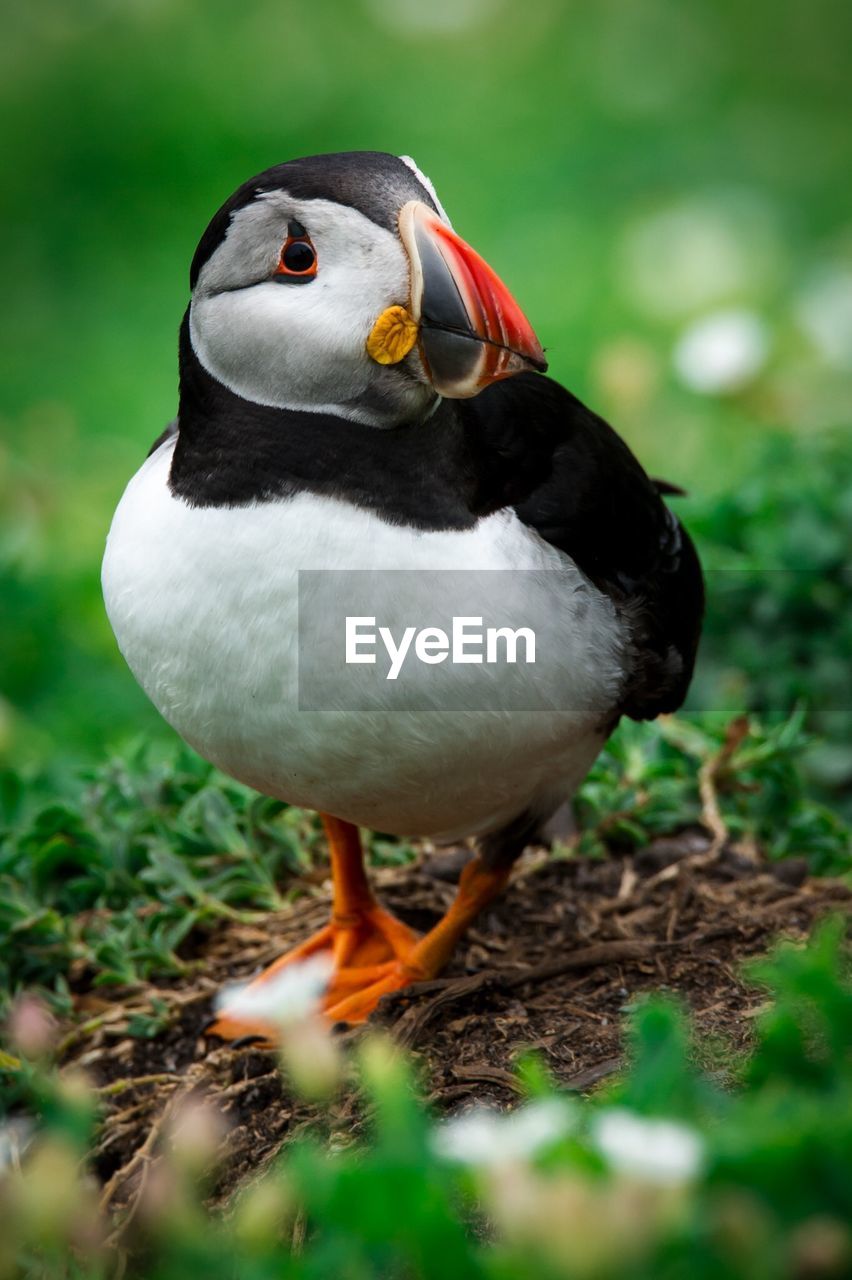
664	185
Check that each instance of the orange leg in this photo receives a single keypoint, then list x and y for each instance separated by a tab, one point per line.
374	953
478	886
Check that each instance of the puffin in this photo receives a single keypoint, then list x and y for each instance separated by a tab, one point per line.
362	400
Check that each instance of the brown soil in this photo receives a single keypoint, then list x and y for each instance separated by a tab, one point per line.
553	966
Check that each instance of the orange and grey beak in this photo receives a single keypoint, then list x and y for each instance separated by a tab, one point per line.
471	330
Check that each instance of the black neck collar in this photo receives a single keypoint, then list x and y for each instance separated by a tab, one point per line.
443	473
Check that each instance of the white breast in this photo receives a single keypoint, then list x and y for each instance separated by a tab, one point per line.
203	602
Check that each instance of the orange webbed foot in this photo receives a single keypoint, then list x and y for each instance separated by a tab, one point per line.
367	954
361	955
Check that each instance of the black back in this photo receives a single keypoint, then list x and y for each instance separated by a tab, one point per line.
597	504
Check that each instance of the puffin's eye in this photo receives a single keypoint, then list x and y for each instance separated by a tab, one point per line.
298	259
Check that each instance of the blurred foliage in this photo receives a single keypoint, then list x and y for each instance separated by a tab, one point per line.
776	550
631	167
661	1175
111	873
646	783
115	876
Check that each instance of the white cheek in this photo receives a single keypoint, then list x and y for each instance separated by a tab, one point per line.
299	345
268	347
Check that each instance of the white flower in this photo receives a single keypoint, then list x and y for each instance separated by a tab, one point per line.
15	1137
699	253
485	1137
659	1151
289	996
722	352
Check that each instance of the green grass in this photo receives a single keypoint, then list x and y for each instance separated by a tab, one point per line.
117	872
776	552
646	783
114	871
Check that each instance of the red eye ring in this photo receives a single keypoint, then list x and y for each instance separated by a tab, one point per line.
298	257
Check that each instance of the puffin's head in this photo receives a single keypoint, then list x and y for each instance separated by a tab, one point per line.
337	283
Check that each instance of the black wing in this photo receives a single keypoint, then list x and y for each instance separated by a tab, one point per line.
578	485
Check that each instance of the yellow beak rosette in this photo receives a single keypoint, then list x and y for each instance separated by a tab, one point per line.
392	336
